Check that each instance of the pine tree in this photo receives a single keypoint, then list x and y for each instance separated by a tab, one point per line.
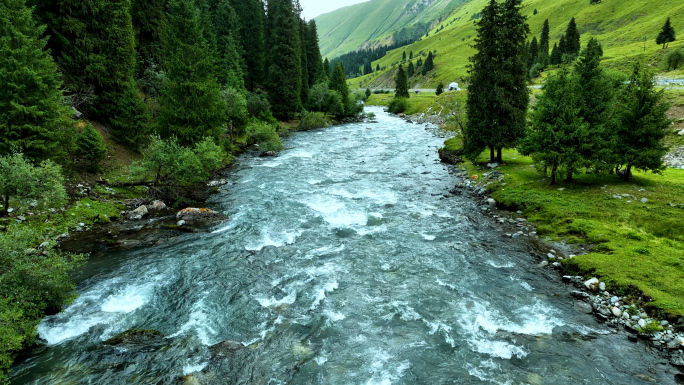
533	52
480	106
401	83
429	64
411	69
191	107
596	96
91	148
284	81
226	29
411	55
95	44
512	88
149	22
368	93
543	55
33	119
572	40
440	89
338	82
555	58
403	56
326	68
667	34
303	35
251	17
562	48
642	126
314	54
377	68
553	139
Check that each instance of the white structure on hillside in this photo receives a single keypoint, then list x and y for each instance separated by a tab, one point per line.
454	87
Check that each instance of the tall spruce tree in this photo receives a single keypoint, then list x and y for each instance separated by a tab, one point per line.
667	34
303	35
313	51
33	119
533	52
284	81
149	21
543	55
572	40
338	82
251	17
555	58
513	94
191	107
596	106
226	28
480	106
326	68
553	139
642	126
94	44
411	69
401	83
562	48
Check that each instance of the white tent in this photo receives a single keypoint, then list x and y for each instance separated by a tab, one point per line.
454	87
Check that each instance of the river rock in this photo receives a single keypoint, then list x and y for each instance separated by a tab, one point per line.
136	337
191	214
602	286
642	323
616	312
583	307
592	284
614	299
158	205
543	264
491	202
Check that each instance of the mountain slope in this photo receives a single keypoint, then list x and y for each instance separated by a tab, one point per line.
627	30
363	24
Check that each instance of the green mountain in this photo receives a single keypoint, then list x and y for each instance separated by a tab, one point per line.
626	29
379	21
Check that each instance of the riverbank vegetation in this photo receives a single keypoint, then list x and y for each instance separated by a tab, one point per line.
102	102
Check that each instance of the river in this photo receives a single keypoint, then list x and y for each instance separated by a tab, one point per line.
342	263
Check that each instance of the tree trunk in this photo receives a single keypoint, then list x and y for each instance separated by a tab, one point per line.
491	154
569	177
628	172
553	175
499	156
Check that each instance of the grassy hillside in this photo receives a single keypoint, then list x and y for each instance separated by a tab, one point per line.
369	23
627	30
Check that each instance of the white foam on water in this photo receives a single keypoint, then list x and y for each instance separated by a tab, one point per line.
375	196
108	303
314	182
289	299
428	237
194	368
321	359
484	372
295	154
526	286
200	323
335	213
277	240
481	324
334	316
442	283
384	370
500	265
271	164
321	292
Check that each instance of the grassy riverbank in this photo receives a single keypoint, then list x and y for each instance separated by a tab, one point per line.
635	228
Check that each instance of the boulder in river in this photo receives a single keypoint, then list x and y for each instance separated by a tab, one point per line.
195	215
592	284
158	205
136	337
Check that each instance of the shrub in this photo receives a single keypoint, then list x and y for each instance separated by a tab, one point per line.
536	69
171	165
311	120
90	148
353	107
440	89
259	107
398	105
674	60
236	111
265	135
21	180
334	104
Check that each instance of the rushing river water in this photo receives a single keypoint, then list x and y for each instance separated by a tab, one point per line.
342	263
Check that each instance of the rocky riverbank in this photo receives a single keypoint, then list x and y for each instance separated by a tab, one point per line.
625	314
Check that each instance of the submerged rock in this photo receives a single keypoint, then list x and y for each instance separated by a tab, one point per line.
191	214
136	337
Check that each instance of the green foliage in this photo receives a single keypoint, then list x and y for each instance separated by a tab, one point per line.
259	107
191	107
313	53
338	82
265	135
170	165
311	120
544	45
652	327
536	70
401	84
251	17
368	93
324	99
22	181
554	139
642	125
411	69
32	117
34	280
674	60
398	105
667	34
236	111
284	82
149	22
226	27
532	55
440	89
555	58
572	40
90	147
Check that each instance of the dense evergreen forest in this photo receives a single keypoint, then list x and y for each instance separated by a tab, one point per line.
359	62
183	82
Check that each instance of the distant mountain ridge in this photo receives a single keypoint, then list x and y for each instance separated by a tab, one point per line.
379	21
